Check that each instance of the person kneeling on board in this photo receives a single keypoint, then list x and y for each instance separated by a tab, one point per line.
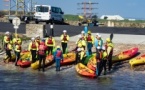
58	56
17	52
42	55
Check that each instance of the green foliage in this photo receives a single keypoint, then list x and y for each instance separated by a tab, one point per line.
70	17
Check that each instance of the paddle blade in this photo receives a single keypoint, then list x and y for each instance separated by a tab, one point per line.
111	36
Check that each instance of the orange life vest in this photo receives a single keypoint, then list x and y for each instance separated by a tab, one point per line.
8	38
50	41
58	54
33	45
65	37
89	38
19	47
41	49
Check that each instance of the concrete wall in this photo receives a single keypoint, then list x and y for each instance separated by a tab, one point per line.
35	29
125	24
115	24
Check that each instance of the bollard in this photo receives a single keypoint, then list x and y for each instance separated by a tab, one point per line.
51	30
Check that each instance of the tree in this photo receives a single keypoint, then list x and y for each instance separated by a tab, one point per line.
105	17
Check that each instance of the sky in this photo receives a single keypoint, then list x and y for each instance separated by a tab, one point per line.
125	8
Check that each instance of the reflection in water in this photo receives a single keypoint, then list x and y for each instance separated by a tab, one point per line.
67	78
104	80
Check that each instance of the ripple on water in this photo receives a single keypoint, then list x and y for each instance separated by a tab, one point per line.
68	78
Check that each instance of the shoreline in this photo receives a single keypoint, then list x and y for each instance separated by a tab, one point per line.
117	49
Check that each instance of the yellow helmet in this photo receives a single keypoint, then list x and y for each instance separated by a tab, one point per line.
89	32
58	47
108	40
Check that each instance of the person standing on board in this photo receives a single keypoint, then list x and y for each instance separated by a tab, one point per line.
50	43
58	56
64	40
33	47
90	42
42	55
109	49
17	51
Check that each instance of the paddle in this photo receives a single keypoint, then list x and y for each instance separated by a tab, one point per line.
111	36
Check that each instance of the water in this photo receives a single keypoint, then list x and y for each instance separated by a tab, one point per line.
15	78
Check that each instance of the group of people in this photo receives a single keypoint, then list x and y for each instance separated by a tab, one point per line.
12	44
40	48
104	50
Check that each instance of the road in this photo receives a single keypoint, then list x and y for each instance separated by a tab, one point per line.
74	30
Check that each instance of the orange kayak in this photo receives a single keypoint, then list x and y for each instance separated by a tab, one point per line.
92	63
137	61
68	59
23	63
128	54
84	71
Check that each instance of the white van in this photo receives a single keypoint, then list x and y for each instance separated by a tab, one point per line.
47	13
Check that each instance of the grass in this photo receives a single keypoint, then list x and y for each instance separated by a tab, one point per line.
70	17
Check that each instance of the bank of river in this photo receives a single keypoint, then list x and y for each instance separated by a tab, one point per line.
121	77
